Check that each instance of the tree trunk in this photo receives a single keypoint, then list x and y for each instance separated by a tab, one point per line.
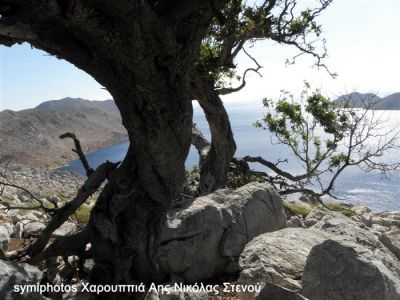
127	219
215	166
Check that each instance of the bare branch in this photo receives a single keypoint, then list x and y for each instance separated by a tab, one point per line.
64	246
90	186
33	197
275	168
78	150
225	91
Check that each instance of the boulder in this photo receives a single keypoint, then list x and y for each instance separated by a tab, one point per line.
65	229
282	257
361	210
278	257
340	269
390	219
317	213
309	199
351	264
295	221
32	229
204	237
5	233
391	239
337	225
16	275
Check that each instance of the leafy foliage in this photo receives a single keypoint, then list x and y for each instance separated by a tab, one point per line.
246	22
82	214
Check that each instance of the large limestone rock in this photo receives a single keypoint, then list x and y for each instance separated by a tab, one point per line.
351	264
205	236
278	257
14	274
340	269
347	259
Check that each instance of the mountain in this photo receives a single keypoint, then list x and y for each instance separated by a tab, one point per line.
31	136
391	102
358	100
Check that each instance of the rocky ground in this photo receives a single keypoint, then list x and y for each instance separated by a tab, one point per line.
247	236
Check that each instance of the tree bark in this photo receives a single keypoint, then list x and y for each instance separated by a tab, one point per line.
215	166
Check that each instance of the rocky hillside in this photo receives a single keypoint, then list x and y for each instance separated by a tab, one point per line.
31	136
358	100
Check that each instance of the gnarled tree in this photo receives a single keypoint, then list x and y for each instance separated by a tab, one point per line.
154	57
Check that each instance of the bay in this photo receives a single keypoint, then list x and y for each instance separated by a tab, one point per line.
353	186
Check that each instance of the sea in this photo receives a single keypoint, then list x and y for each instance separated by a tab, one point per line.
354	186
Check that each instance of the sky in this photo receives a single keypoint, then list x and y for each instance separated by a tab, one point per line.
363	41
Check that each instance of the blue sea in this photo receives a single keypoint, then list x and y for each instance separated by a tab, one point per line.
353	186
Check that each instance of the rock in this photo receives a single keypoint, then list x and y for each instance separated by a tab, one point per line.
54	199
176	295
347	265
340	269
172	294
5	233
390	219
336	224
14	274
391	239
65	229
204	237
78	295
18	230
22	215
32	229
275	292
309	199
89	265
52	273
318	212
361	209
378	229
278	257
295	221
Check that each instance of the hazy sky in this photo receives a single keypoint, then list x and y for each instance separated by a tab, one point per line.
363	44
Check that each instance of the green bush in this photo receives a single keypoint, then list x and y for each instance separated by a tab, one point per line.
341	208
82	214
297	209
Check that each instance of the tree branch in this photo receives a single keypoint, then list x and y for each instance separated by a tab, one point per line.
64	246
78	150
225	91
90	186
275	168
